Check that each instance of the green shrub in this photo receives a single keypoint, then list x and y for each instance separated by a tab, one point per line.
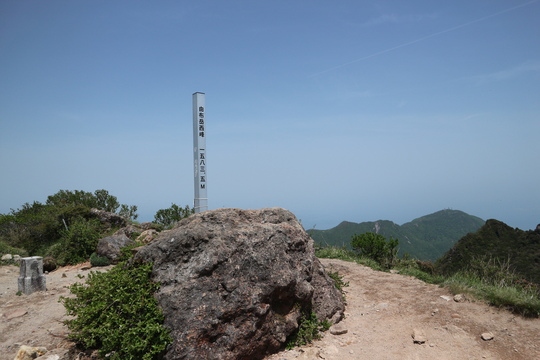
309	329
127	251
7	249
170	216
96	260
79	241
117	314
36	227
375	246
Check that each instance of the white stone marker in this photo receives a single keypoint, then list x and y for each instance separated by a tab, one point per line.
31	276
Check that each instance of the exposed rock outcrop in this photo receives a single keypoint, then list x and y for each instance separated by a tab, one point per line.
111	246
234	283
147	236
111	219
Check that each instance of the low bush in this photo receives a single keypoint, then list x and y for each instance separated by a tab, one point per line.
375	246
309	329
6	249
116	313
78	242
96	260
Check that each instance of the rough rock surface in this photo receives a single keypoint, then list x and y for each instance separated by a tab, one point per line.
234	283
147	236
109	218
128	230
111	246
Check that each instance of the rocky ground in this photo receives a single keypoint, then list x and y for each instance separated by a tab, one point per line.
383	312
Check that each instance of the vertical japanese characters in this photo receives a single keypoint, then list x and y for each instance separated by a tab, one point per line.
199	155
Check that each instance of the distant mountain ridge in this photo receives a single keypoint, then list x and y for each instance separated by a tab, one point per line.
426	238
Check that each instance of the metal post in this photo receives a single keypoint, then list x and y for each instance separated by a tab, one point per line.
199	152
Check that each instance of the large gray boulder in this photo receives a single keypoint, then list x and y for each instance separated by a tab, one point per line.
234	283
111	246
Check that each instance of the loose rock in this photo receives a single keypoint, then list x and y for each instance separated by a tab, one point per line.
418	336
7	257
338	329
487	336
111	246
29	353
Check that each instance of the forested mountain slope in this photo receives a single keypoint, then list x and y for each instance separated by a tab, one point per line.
424	238
498	241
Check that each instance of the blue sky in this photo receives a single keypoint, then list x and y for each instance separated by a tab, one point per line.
335	110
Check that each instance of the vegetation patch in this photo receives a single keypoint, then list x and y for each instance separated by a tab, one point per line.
309	329
494	281
96	260
376	247
339	283
488	278
116	313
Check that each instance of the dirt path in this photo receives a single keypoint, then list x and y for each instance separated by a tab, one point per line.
35	319
382	312
384	309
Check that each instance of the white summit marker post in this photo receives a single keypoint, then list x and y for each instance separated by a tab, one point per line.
199	152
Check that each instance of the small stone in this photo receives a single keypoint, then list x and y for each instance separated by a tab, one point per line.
487	336
435	311
447	298
29	352
7	257
456	316
49	357
64	275
418	336
338	329
460	298
15	314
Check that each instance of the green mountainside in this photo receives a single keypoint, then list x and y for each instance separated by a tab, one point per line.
498	241
425	238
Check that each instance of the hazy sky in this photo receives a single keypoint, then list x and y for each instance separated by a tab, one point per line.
336	110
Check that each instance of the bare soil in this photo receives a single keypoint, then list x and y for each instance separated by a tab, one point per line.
383	310
36	319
